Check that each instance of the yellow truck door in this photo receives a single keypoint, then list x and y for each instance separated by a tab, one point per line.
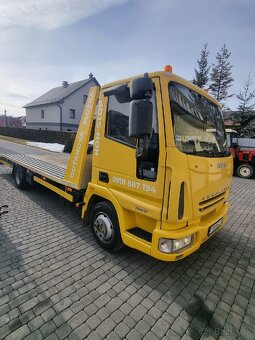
138	189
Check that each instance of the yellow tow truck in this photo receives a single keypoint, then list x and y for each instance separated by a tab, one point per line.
159	177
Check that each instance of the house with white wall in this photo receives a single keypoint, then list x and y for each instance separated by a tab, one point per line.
60	108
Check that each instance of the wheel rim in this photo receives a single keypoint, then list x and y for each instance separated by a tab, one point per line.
103	227
245	171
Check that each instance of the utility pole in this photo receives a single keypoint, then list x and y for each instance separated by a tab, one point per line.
5	119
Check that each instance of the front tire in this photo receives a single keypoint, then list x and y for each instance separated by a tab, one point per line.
245	171
105	226
20	177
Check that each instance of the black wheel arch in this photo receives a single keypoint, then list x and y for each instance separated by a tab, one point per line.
93	201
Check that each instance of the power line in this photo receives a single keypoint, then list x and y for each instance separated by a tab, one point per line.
2	108
12	109
10	112
11	105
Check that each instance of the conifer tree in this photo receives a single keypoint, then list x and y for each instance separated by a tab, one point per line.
246	109
221	79
202	72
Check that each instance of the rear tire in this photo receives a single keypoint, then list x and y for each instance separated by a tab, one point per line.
20	177
245	171
105	226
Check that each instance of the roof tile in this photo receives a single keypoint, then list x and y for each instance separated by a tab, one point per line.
58	93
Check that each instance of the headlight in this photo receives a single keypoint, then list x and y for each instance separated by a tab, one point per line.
166	245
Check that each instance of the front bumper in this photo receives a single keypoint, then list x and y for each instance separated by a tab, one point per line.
199	232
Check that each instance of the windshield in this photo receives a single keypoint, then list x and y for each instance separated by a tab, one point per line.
197	122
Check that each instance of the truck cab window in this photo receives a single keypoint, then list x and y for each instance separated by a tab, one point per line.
118	120
117	123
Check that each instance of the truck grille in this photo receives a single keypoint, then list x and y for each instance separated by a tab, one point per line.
203	205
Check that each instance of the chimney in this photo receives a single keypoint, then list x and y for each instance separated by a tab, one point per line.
64	83
90	75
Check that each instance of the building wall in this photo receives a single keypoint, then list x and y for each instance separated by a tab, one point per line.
51	120
75	102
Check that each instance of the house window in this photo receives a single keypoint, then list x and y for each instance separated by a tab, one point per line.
72	113
84	98
42	114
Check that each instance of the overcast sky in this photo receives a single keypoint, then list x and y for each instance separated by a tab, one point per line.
43	42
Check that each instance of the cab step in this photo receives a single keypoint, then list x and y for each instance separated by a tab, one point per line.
143	234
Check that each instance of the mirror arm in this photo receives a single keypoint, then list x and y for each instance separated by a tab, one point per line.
115	90
142	151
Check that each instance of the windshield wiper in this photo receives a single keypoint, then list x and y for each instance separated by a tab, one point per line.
210	153
222	153
207	153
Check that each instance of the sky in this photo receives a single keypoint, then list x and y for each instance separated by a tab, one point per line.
43	42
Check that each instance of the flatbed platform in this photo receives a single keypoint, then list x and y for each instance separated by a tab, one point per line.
50	165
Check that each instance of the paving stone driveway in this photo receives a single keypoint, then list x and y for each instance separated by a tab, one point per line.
56	283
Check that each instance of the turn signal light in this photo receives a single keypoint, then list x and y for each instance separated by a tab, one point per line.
168	68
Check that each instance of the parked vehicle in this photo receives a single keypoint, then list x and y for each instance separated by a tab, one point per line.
160	173
244	156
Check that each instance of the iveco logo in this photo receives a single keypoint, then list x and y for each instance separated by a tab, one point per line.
221	165
218	193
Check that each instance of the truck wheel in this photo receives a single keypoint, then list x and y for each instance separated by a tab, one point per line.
105	226
245	171
20	177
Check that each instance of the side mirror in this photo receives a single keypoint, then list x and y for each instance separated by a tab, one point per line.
141	88
140	120
121	92
115	90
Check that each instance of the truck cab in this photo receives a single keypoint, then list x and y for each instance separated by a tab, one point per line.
161	167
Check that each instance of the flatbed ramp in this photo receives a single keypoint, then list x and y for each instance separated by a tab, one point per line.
52	166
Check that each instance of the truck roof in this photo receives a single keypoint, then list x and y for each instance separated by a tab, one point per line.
171	76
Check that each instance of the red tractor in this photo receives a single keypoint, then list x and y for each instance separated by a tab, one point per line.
244	157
